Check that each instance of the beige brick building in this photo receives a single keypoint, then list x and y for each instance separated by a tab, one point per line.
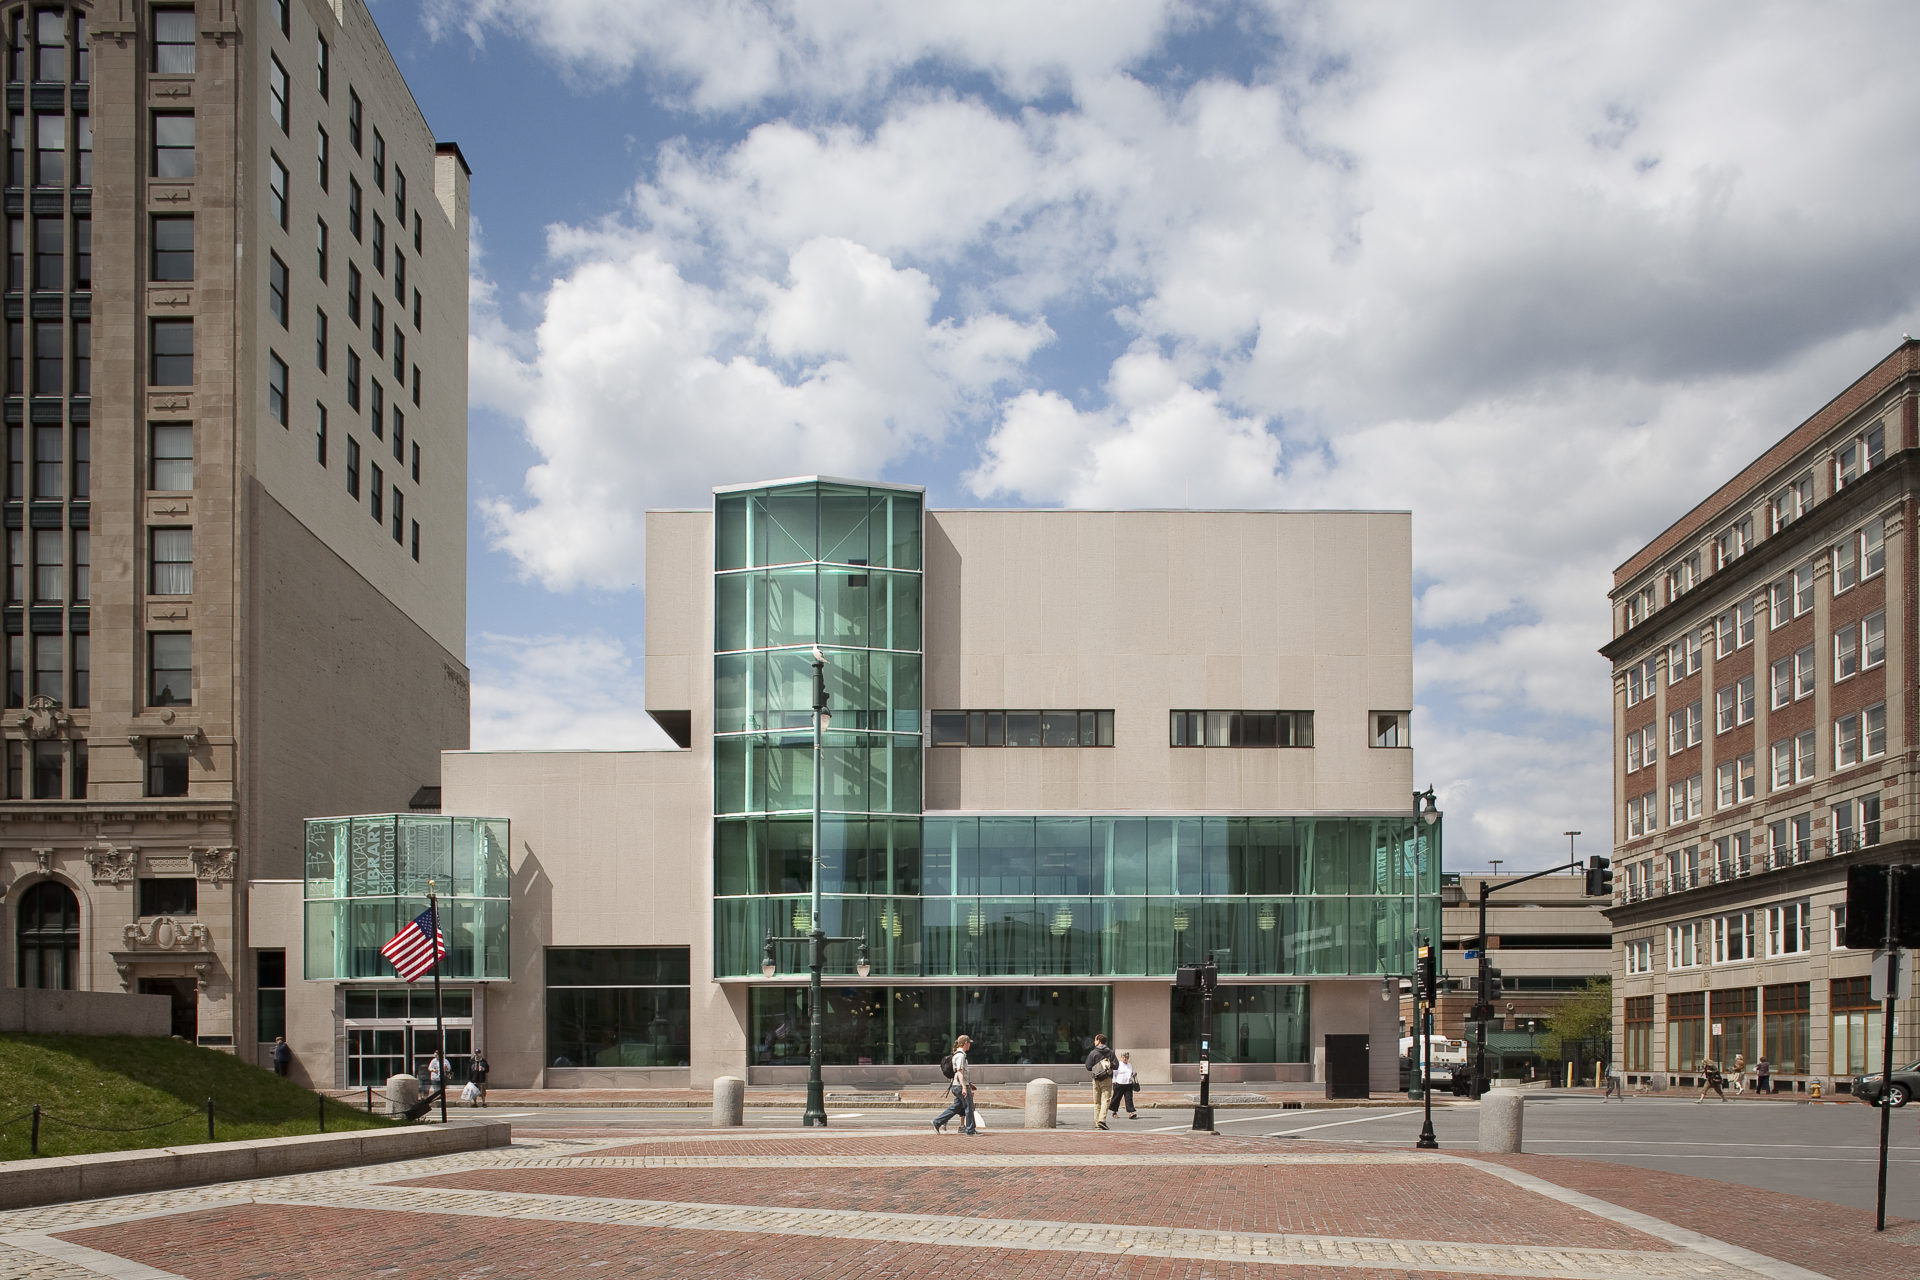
1764	729
235	441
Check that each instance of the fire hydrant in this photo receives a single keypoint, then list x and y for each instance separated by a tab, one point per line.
1813	1091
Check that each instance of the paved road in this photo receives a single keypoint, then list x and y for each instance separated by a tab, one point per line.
1827	1151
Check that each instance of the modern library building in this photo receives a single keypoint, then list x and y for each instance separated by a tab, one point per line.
1065	752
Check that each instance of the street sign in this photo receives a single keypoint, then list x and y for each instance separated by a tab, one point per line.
1471	955
1888	966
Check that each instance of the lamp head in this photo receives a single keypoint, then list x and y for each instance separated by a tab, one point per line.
767	966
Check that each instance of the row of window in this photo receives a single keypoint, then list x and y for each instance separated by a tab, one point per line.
47	574
1241	729
53	473
57	770
49	254
1767	933
1022	728
1857	738
1850	460
1855	825
56	370
37	667
1739	1029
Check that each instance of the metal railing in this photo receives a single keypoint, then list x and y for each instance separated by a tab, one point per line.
1723	870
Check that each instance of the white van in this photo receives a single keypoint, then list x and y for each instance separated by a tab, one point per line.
1448	1056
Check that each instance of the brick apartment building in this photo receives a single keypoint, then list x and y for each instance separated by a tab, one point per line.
1764	741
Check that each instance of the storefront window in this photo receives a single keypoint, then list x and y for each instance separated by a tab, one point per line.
1250	1024
618	1007
888	1026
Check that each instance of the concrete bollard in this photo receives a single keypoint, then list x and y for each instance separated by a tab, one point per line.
1043	1104
402	1092
729	1102
1500	1119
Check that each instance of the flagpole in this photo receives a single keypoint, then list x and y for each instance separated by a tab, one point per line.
439	1018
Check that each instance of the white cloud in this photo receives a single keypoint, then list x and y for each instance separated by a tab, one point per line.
1544	276
733	53
546	692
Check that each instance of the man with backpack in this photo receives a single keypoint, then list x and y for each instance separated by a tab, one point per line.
954	1068
1100	1065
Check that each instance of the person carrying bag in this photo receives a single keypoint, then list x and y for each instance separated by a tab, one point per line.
955	1069
1125	1083
1100	1065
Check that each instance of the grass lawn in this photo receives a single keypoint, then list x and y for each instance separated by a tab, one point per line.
121	1082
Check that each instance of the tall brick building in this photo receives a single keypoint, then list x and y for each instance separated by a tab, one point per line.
1764	733
235	437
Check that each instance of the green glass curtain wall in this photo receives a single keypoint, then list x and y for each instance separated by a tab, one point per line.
888	1026
366	876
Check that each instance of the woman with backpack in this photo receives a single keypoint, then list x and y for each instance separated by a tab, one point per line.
954	1068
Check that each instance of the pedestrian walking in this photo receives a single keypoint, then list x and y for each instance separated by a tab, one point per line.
1714	1080
1762	1075
282	1056
477	1077
1739	1074
1100	1065
1614	1088
1125	1083
439	1072
957	1072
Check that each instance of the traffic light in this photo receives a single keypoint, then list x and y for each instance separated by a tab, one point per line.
1599	877
1490	984
1429	975
1868	888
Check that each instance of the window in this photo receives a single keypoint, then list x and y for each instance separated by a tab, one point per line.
1846	566
1733	542
172	457
1873	641
1683	657
1860	737
1640	681
1637	1028
46	770
320	433
173	42
320	156
166	767
17	150
1012	728
16	358
1683	728
1803	674
1846	654
353	208
1782	682
1642	816
399	355
50	150
353	294
82	691
48	451
172	353
1803	765
637	997
82	365
1787	1026
375	492
1782	764
1857	1038
1734	938
416	386
50	46
49	254
277	287
376	407
173	247
1873	550
416	292
377	325
83	151
1803	589
1838	916
1238	729
1639	956
1390	729
172	562
1856	823
353	467
379	245
379	161
1686	1030
276	388
170	669
1733	782
277	190
353	120
1683	577
1733	705
1683	945
399	514
399	197
16	254
1641	749
415	470
47	365
169	896
353	378
82	570
399	276
416	249
172	144
1684	800
1858	456
1790	840
1733	854
320	249
1789	929
277	90
323	68
282	14
399	427
49	566
414	547
1790	503
16	663
320	340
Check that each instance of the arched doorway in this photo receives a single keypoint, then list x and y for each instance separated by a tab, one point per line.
48	933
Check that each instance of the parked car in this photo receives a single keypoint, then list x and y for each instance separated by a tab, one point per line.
1906	1086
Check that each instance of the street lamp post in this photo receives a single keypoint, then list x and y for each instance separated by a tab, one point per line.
1428	977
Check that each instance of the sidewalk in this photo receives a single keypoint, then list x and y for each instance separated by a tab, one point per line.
921	1097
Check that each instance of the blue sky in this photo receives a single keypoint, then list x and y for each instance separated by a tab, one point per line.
1542	276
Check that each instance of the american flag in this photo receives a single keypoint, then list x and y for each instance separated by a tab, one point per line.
414	949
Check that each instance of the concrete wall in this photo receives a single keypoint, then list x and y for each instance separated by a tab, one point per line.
1148	611
82	1013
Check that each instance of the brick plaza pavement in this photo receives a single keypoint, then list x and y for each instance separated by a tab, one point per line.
1063	1205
